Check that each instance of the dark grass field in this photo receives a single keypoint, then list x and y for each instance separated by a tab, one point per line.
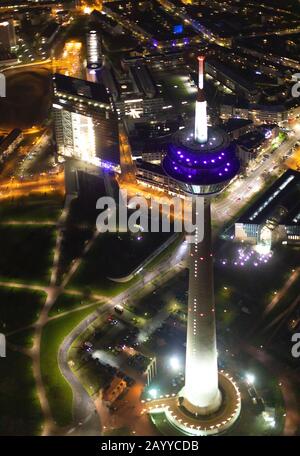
28	98
26	254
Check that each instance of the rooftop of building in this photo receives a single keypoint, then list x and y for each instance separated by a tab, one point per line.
156	130
81	88
235	124
251	140
232	74
284	193
143	77
117	383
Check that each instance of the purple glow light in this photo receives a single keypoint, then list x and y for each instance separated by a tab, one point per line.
206	166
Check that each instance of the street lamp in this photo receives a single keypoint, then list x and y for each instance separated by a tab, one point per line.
174	363
153	393
250	378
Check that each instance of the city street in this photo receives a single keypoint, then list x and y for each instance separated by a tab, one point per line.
243	189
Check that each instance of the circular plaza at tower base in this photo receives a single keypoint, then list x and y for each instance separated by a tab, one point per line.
187	424
202	169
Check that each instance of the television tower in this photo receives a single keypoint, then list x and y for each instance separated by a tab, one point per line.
203	163
201	107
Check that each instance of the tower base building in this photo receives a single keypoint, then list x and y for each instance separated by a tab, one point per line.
190	424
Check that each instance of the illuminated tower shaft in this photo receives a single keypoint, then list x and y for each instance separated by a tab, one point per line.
94	56
94	47
201	107
202	167
201	394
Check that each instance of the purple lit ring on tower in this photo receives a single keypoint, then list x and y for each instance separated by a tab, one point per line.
210	166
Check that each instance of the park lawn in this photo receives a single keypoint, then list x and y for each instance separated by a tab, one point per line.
36	208
91	377
22	339
74	241
19	307
26	253
20	411
104	287
58	391
66	302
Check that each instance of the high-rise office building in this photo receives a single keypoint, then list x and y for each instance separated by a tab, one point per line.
86	125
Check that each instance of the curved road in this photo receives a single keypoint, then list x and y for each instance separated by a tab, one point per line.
86	419
84	411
